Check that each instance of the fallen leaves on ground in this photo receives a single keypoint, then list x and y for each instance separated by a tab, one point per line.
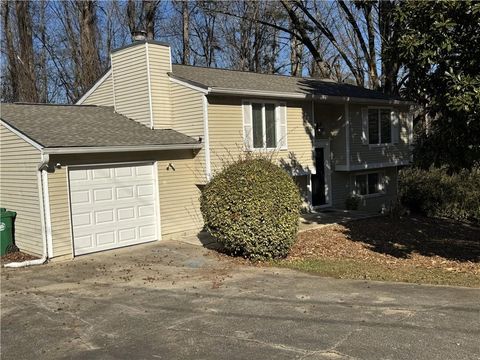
16	256
409	242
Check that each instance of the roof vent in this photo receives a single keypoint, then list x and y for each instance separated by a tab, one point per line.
139	35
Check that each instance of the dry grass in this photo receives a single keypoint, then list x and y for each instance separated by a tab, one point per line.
418	250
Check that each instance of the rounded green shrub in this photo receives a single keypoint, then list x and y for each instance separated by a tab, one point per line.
252	208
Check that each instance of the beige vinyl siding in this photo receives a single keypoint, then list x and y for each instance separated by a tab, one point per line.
19	189
60	212
159	63
225	118
179	195
102	95
363	153
187	112
130	82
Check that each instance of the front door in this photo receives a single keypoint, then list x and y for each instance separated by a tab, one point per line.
318	179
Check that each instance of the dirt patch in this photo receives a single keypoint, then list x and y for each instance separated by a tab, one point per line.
418	242
16	256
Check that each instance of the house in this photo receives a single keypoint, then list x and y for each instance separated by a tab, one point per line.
126	164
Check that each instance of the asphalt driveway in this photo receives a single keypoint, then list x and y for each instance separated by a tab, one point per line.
173	300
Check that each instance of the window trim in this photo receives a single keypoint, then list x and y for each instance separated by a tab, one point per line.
381	182
380	144
276	105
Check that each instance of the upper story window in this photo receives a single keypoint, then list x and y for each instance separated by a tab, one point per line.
264	125
379	126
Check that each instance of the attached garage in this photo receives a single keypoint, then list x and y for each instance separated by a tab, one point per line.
102	181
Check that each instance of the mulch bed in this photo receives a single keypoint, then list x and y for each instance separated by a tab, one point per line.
16	256
418	242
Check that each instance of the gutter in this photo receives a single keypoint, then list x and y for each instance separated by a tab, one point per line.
110	149
44	217
289	95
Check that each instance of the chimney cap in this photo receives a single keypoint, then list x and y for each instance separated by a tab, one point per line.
139	35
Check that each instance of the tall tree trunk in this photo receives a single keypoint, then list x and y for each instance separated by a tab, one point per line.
10	84
131	16
185	33
42	61
388	36
150	10
90	58
296	56
26	63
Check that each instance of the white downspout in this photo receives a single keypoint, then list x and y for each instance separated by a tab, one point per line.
206	148
43	217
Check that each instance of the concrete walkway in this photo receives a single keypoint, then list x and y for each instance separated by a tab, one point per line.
170	300
309	221
325	217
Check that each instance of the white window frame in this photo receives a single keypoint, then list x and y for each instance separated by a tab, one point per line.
277	105
379	108
381	184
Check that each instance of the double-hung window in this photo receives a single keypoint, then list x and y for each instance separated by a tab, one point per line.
264	125
368	184
379	126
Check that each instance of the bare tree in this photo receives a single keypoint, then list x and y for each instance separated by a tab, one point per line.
89	52
10	81
356	47
27	89
141	15
185	33
204	32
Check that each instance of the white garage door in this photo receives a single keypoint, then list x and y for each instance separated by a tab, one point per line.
112	207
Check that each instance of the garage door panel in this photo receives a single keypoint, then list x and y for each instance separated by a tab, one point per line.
84	242
127	213
80	197
104	216
105	238
113	207
103	194
82	219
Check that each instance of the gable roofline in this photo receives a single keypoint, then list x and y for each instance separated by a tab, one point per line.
283	95
96	149
21	135
94	87
188	83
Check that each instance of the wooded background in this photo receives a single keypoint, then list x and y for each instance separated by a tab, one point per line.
54	50
426	51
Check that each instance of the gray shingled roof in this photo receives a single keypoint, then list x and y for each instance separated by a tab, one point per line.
84	126
242	80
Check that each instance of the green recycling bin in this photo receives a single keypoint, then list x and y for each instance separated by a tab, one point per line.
6	230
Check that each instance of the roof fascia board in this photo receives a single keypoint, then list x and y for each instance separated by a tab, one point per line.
325	98
94	87
189	84
109	149
259	93
368	166
22	135
357	100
